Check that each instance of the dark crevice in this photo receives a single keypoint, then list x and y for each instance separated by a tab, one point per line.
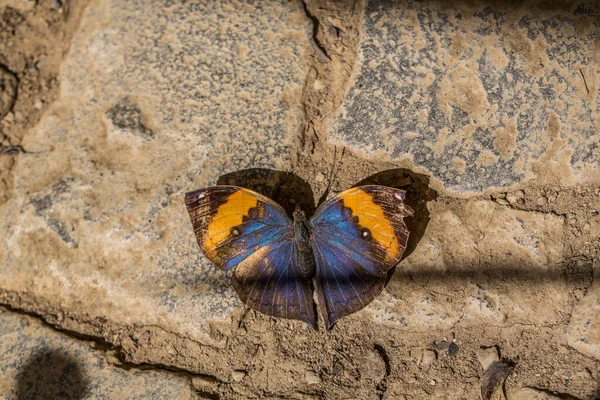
100	342
584	81
104	346
314	40
382	385
554	394
11	150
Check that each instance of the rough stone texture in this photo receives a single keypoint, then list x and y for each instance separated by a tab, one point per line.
152	105
160	98
487	356
584	328
8	91
533	394
509	259
39	363
478	95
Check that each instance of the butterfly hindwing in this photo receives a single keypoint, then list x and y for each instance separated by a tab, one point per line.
237	227
357	237
274	284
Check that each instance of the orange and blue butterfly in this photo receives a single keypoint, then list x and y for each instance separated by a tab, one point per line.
343	252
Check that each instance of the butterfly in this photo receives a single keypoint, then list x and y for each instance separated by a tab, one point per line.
342	253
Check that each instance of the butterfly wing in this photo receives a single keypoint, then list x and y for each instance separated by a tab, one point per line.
357	237
237	227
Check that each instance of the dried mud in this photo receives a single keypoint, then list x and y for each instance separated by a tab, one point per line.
433	352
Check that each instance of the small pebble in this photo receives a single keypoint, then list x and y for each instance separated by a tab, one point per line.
515	197
502	202
320	177
312	378
541	201
338	369
427	358
238	375
453	348
487	356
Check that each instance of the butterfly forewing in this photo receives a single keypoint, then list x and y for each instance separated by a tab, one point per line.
240	228
357	237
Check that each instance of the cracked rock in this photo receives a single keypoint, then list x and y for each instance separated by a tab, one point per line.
481	96
208	91
40	363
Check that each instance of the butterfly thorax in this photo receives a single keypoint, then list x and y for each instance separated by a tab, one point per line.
302	238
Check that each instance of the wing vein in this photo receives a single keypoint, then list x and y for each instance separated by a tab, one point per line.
258	279
334	277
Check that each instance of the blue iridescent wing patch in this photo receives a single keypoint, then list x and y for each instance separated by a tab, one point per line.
240	228
356	237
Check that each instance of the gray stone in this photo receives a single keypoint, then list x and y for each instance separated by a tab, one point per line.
153	104
479	96
39	363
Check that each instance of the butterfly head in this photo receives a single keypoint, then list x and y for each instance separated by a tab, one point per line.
299	216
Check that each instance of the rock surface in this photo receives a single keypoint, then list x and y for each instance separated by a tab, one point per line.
584	327
479	96
159	98
533	394
511	259
152	105
39	363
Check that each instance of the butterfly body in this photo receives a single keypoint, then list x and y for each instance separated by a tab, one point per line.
306	260
343	252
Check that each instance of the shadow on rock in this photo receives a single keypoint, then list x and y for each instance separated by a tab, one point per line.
288	190
285	188
51	375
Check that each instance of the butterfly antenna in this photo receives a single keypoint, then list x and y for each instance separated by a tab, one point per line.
333	173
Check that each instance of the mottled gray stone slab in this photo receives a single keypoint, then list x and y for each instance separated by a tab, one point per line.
479	94
157	98
39	363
